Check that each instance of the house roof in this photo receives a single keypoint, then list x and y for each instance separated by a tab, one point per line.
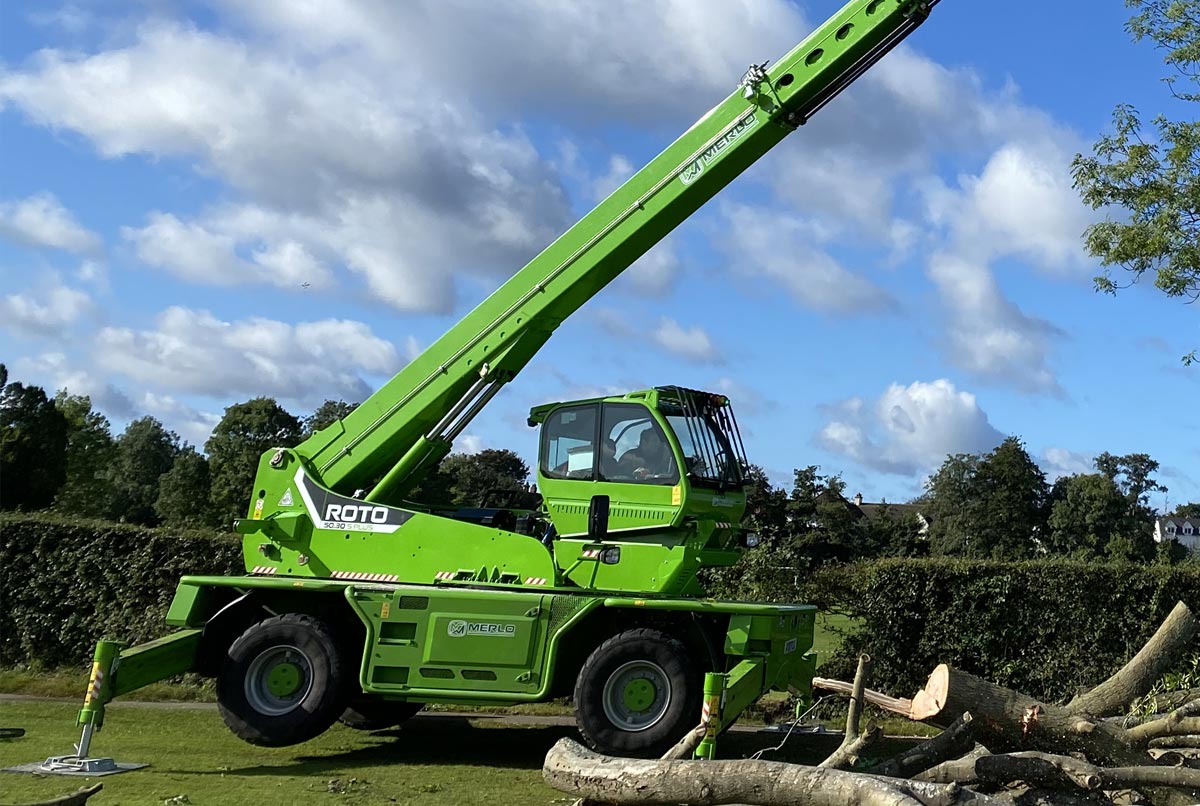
1179	523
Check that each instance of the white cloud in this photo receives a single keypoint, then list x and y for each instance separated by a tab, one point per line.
764	242
41	220
49	312
987	334
339	167
1022	203
690	343
622	59
192	425
193	351
55	371
1062	462
910	429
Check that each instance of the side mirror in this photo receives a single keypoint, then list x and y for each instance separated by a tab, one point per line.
598	518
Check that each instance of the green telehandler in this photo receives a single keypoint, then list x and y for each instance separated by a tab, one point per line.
360	607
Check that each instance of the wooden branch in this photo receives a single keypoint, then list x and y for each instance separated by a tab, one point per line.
897	705
853	743
76	798
959	770
1137	676
685	746
953	741
1054	771
1176	742
1180	722
577	771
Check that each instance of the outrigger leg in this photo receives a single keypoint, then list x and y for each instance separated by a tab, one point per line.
137	667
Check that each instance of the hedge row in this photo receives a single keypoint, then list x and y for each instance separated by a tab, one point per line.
65	583
1047	628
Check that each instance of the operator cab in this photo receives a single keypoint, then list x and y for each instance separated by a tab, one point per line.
662	456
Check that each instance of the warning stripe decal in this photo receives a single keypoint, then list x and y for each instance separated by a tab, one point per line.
264	570
535	581
360	576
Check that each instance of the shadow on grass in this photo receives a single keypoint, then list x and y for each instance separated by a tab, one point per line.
455	741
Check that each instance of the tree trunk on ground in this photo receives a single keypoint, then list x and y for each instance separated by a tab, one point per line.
1136	677
1009	720
572	769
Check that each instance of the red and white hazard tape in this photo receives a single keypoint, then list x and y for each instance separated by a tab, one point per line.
264	570
444	575
591	554
535	581
360	576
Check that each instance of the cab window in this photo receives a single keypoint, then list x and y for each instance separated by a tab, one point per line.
569	443
634	448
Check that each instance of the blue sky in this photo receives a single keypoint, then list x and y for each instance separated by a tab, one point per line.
204	203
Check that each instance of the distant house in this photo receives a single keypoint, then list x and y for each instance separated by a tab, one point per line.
1184	530
878	510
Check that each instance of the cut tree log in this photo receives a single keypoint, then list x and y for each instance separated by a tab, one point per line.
1010	720
1180	722
573	769
953	741
1137	676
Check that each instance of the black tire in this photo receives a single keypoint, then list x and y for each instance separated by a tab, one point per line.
637	694
284	681
370	712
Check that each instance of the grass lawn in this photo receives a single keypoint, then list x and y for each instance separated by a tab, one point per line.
436	760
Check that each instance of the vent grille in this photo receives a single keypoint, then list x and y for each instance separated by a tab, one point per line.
414	603
478	674
436	672
562	608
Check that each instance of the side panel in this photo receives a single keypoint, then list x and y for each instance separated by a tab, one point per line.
452	640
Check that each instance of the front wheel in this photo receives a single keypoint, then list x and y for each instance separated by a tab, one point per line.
283	681
637	694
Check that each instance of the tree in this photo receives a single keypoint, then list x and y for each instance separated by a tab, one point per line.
144	452
1154	176
950	501
244	433
91	452
474	475
1087	512
1187	511
823	526
33	447
326	415
990	506
1133	476
183	492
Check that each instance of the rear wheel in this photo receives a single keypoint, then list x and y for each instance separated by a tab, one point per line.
637	694
370	712
283	681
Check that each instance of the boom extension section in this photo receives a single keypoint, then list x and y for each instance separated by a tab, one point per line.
407	417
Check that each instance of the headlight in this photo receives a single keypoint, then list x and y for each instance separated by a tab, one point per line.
750	540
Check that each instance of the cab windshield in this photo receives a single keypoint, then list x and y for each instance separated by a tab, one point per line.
708	435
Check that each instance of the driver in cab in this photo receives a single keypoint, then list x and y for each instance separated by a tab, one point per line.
652	457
